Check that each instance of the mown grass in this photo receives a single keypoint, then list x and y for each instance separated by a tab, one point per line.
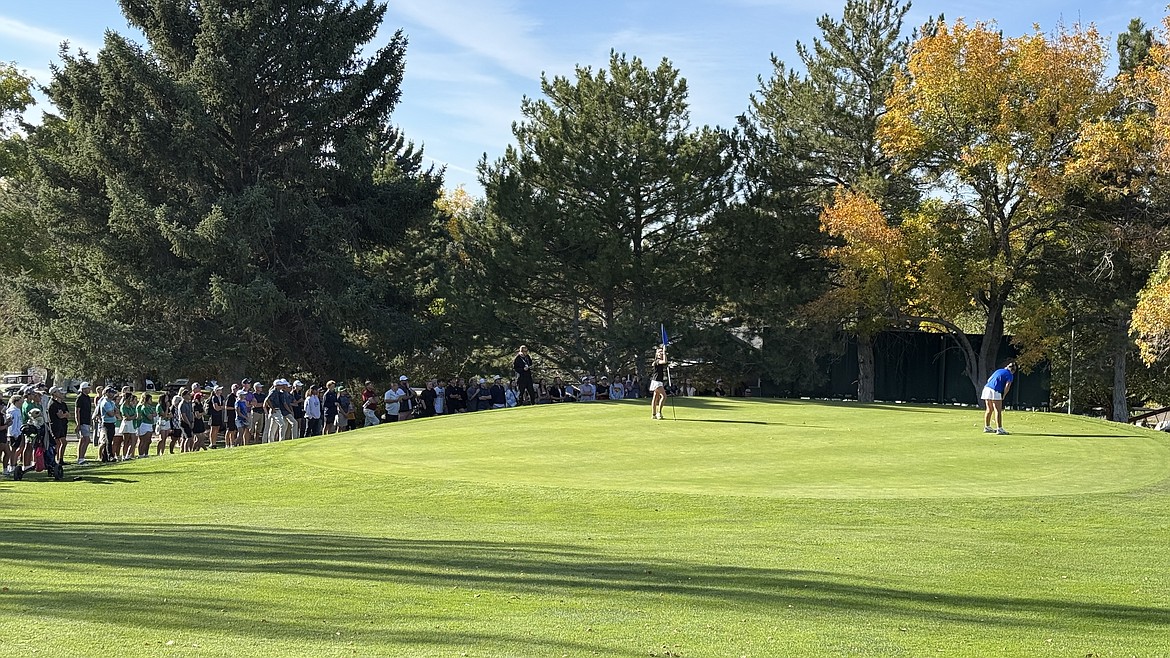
755	528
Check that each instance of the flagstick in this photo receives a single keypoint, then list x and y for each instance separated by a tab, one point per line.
669	385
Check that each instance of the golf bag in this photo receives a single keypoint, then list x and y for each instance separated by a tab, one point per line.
44	446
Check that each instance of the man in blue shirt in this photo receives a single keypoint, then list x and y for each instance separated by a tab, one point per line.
994	393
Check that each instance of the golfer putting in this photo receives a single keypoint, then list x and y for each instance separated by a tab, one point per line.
994	393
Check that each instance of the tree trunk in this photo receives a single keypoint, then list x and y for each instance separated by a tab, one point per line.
865	368
989	349
1120	400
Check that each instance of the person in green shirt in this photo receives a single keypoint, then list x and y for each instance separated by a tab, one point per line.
127	426
147	413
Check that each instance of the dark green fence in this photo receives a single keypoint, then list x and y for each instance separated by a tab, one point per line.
921	367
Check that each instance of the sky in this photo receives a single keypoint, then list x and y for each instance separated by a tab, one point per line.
470	62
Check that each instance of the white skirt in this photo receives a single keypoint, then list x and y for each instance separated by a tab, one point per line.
991	394
128	427
655	385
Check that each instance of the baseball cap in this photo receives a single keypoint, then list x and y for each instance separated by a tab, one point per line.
84	385
403	378
482	380
298	383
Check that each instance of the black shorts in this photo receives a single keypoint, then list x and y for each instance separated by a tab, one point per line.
199	426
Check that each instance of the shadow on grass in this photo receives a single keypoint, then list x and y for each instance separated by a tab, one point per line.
353	563
1078	436
713	420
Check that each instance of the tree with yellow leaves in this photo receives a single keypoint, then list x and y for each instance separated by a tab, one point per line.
992	123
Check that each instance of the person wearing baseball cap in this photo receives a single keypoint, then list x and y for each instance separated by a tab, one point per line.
83	418
256	419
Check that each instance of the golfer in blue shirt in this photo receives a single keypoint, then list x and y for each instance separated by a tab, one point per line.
993	395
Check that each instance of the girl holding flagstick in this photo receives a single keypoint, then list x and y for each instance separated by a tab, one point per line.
658	383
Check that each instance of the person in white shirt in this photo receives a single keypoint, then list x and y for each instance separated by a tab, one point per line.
13	421
393	395
440	398
313	412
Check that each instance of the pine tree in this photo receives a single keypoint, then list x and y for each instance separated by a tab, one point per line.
804	136
227	192
594	215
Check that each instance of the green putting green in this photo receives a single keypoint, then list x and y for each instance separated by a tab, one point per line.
762	448
744	528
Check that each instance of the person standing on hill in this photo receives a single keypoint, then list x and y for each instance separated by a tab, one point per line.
993	396
522	364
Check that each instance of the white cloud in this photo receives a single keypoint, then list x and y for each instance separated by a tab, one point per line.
19	31
493	29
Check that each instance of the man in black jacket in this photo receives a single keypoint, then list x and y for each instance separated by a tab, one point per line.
522	364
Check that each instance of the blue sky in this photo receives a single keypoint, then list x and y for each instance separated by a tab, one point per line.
471	61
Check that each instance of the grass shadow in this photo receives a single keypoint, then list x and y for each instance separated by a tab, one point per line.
714	420
548	570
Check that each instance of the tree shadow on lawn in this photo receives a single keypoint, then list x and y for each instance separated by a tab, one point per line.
545	570
734	422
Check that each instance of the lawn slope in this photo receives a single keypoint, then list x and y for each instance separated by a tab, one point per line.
757	528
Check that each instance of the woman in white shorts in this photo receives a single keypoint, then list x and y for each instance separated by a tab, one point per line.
147	414
127	425
658	383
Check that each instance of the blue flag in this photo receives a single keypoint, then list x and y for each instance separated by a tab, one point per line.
665	338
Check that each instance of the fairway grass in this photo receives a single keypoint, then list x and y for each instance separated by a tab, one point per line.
744	528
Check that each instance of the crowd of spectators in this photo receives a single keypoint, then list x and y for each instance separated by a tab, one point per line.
123	424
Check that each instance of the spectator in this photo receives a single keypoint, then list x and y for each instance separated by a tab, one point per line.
257	418
511	395
164	424
243	417
298	410
216	406
369	408
485	395
522	364
426	400
313	412
229	416
185	413
440	397
345	410
368	393
588	392
13	421
275	406
147	420
408	401
633	388
329	407
571	394
602	389
556	392
58	421
473	394
127	436
83	414
720	392
456	396
497	395
391	400
617	390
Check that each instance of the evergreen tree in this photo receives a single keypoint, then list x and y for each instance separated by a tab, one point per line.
591	236
1134	45
225	196
804	136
